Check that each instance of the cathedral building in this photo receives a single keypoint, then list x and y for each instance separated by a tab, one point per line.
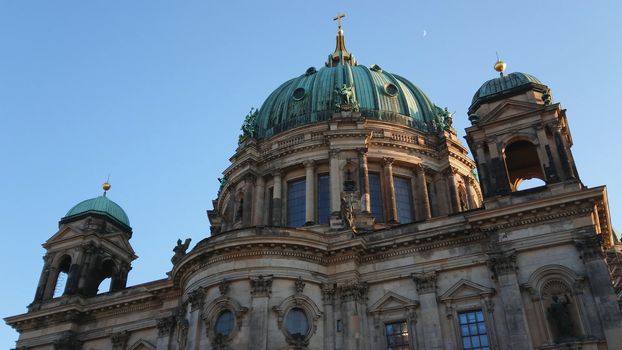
352	217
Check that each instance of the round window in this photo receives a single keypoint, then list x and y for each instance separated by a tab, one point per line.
299	94
391	89
297	323
224	323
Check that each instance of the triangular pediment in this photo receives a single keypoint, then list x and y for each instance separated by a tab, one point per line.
66	232
392	301
465	289
510	109
142	345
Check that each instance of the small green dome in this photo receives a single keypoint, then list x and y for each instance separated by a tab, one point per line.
99	205
312	97
503	85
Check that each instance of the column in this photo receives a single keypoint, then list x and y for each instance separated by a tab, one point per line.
471	195
550	170
43	279
365	203
309	192
453	191
258	205
482	168
430	320
390	188
328	298
197	300
165	326
247	206
276	199
422	192
503	267
352	297
600	282
335	182
261	287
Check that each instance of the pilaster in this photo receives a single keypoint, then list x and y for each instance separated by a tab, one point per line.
310	192
430	319
390	188
261	288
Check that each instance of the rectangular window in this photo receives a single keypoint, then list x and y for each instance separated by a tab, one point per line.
473	330
323	199
270	206
403	199
375	197
296	203
397	335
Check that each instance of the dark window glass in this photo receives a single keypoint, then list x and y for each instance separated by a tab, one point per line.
297	323
375	197
323	199
397	335
224	323
296	203
403	199
473	330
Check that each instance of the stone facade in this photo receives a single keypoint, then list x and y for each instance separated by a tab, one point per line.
522	269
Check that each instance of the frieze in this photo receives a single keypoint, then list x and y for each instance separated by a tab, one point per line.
261	286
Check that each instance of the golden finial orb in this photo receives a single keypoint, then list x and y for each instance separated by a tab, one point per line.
106	186
500	66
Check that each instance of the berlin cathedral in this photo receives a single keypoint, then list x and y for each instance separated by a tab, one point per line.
353	217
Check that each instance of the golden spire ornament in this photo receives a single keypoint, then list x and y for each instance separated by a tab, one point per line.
106	187
500	65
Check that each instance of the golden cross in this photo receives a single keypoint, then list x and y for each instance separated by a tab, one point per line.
338	18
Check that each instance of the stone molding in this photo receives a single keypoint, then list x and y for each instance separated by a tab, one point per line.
313	312
261	286
425	282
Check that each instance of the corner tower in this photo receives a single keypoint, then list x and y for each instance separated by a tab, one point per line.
518	133
91	246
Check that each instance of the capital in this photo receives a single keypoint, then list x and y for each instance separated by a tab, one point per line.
309	163
425	282
261	286
388	161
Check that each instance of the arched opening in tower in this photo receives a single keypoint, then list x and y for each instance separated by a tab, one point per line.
63	275
523	163
106	273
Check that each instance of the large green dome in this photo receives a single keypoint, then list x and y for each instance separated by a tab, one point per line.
313	96
99	205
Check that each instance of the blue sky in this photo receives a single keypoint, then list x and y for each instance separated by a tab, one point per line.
154	92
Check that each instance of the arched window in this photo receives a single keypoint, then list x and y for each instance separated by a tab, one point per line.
224	324
522	163
63	275
104	280
297	323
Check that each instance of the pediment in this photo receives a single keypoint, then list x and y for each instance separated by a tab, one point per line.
142	345
64	233
510	109
465	289
392	301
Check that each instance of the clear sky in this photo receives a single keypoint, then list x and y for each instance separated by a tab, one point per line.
154	93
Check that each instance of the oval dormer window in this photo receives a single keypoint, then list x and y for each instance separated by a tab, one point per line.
391	89
299	94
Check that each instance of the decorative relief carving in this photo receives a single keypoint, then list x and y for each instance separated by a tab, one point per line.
197	298
328	293
502	263
223	287
165	326
261	286
590	248
352	291
299	286
425	282
119	339
68	341
387	161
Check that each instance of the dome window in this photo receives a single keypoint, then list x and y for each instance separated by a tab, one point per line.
224	323
299	94
297	323
391	90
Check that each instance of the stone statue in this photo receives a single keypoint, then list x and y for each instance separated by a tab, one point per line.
558	312
345	100
347	213
180	250
249	127
223	181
